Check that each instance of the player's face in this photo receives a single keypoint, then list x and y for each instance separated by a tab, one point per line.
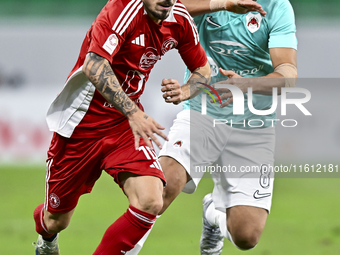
158	10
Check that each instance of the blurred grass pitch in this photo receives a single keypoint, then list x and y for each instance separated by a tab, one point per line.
304	217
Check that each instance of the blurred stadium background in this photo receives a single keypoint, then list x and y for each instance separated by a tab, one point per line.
39	44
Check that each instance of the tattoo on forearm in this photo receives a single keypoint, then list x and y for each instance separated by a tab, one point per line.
204	79
146	116
196	82
103	78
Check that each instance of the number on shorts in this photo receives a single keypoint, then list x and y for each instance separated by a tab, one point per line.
265	176
150	155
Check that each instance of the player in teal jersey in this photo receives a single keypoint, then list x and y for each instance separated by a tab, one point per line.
246	45
242	48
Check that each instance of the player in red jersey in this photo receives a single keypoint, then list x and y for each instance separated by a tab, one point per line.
98	120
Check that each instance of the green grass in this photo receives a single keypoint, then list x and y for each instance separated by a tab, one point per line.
304	218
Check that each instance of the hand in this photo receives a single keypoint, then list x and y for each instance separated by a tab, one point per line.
172	91
233	79
144	126
244	6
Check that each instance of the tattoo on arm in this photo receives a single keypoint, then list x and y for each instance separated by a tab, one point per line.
195	82
100	73
203	79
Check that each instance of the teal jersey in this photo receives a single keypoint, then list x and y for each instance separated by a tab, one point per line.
241	43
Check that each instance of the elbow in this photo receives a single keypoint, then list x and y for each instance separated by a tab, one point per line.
289	72
207	71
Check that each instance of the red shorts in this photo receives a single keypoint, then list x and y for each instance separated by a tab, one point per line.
74	165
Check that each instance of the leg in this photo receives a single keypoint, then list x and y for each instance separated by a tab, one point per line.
57	222
48	226
176	177
143	192
145	198
242	225
245	225
176	161
66	158
244	220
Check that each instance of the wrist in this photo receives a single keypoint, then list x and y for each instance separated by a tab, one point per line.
185	93
220	5
132	113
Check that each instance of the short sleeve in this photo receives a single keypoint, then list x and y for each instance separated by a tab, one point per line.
111	27
104	42
190	48
283	30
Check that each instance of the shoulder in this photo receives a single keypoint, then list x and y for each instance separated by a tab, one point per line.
279	11
121	8
179	14
120	14
121	4
274	6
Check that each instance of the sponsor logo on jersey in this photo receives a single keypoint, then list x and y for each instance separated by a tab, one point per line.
149	58
54	200
108	105
253	22
139	40
178	144
229	48
168	45
209	20
111	44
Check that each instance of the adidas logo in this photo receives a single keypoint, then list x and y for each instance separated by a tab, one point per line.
139	40
157	165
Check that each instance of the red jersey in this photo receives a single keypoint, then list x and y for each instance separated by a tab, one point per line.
132	42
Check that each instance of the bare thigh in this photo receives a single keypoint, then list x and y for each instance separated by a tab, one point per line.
176	177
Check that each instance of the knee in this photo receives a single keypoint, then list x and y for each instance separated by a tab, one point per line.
246	224
151	204
246	240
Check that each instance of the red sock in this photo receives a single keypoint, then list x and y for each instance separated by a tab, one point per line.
125	232
39	222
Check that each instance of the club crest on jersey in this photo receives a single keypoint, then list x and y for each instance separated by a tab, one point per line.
178	144
253	22
168	45
149	58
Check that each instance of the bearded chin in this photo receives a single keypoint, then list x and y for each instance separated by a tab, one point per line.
162	16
